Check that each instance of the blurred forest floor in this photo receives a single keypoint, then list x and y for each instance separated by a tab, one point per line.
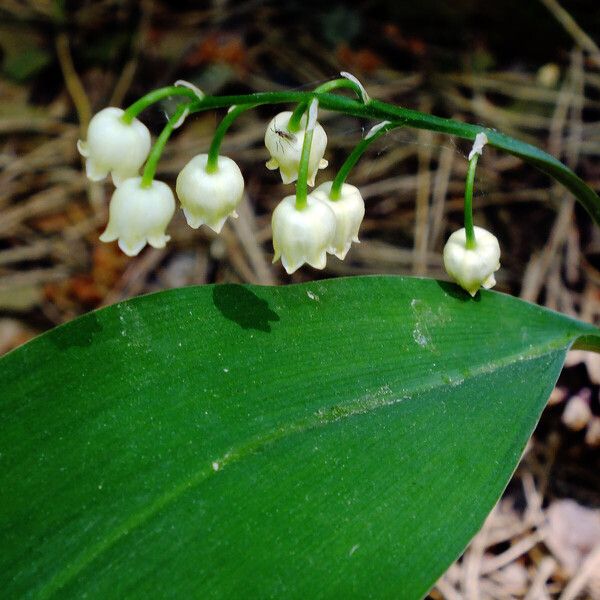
61	62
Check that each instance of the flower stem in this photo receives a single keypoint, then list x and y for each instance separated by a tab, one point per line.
159	145
297	114
212	163
380	111
155	96
301	184
294	122
469	231
339	83
359	149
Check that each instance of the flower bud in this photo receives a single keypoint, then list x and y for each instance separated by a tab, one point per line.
302	236
209	198
139	215
285	147
472	268
113	146
349	210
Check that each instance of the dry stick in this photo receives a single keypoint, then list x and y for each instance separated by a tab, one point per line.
128	72
425	139
538	585
237	258
571	26
82	106
42	203
440	190
245	228
447	590
72	81
134	279
473	561
589	568
537	270
48	153
521	547
534	515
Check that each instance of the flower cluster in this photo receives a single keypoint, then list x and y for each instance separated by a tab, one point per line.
306	226
140	211
285	148
209	193
327	223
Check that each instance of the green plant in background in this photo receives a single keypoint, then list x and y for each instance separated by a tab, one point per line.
341	438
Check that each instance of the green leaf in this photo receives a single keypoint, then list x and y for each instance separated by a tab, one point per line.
334	439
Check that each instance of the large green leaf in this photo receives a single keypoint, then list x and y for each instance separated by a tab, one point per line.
334	439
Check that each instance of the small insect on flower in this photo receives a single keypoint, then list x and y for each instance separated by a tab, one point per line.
285	137
285	147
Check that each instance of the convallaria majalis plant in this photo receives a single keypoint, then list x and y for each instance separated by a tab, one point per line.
332	439
306	226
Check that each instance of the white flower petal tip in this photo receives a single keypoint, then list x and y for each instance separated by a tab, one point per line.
363	92
113	146
285	148
186	84
349	211
209	198
472	268
480	141
302	236
139	215
82	148
93	171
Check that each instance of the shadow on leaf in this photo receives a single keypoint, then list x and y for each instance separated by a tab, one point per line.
80	335
240	305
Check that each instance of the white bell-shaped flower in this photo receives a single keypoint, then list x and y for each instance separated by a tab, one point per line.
113	146
209	198
472	268
349	210
285	148
302	236
139	215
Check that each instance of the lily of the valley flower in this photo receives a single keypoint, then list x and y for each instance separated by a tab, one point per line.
209	197
285	148
139	215
472	268
113	146
302	236
349	210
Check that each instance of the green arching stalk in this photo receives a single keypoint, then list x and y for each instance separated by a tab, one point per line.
159	145
359	149
382	111
335	84
302	183
469	231
212	162
329	86
156	96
